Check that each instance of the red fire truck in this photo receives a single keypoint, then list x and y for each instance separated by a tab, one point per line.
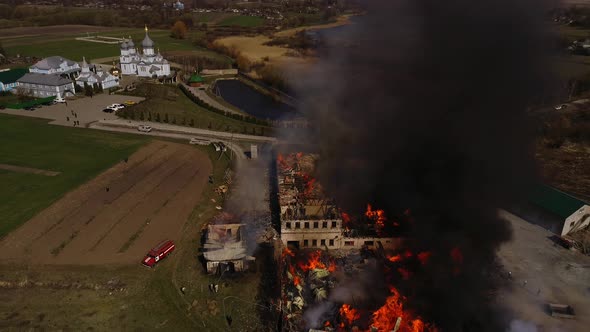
158	253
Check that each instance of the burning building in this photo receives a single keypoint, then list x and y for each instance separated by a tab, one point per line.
325	247
225	249
309	219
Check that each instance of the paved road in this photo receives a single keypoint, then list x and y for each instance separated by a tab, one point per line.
201	94
174	129
552	274
238	152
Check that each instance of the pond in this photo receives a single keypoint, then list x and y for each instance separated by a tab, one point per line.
253	102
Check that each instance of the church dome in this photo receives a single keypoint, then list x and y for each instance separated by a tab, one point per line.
124	45
130	43
147	42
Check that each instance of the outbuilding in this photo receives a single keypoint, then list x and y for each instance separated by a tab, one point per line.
571	211
8	78
196	80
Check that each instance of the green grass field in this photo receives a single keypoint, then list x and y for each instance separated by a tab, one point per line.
79	154
243	21
168	99
67	46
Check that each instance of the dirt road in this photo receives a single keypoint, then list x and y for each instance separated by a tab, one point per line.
118	216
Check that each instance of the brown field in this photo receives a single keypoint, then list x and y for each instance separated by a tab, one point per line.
149	199
50	30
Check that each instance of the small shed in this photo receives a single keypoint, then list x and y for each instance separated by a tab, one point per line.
196	80
8	78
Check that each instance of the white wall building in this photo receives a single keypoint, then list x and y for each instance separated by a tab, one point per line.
147	64
55	65
102	78
40	85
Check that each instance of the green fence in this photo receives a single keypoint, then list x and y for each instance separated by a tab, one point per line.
30	103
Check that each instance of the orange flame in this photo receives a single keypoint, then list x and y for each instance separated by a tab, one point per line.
332	266
385	318
296	279
287	252
395	258
349	314
378	216
313	262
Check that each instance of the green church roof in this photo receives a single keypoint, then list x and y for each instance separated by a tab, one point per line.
10	76
555	201
195	78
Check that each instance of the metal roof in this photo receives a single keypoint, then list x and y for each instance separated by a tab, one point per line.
10	76
555	201
195	78
35	78
52	62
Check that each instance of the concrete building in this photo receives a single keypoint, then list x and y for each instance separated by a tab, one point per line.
102	78
8	78
225	249
56	65
147	64
42	85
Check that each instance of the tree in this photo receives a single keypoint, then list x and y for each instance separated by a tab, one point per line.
179	30
157	117
141	116
166	117
192	122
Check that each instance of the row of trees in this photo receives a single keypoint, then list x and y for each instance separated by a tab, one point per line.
130	113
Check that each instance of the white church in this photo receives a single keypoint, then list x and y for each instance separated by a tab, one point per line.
147	64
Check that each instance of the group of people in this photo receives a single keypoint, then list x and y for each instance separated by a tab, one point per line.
213	288
75	115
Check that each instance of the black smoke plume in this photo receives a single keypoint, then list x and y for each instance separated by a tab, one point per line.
423	108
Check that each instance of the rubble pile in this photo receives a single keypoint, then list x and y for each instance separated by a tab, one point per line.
307	279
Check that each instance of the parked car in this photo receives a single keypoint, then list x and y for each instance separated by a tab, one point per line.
217	147
108	110
158	253
129	102
59	100
116	107
560	107
144	128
